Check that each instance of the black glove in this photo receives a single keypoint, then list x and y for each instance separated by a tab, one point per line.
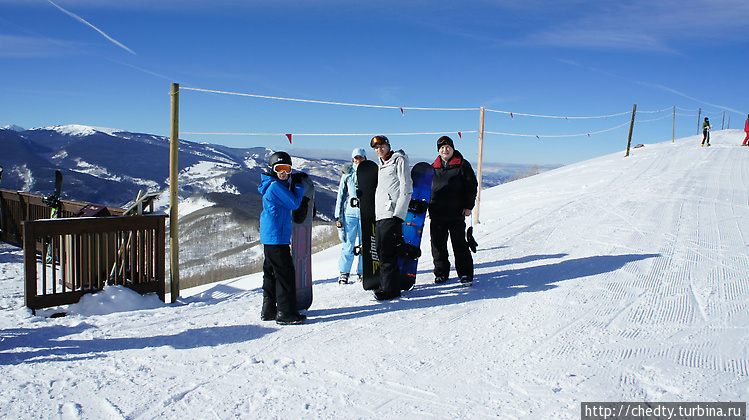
297	177
418	206
408	251
301	213
471	242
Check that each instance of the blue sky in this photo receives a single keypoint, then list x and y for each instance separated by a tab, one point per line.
110	63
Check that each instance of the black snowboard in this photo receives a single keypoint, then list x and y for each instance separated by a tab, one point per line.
367	177
2	221
53	201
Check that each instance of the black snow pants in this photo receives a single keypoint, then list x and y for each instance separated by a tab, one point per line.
279	277
389	235
456	229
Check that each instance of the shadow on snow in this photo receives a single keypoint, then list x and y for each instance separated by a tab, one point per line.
49	343
494	285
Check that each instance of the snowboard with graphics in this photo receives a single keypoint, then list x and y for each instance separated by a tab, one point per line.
53	201
301	245
413	227
366	174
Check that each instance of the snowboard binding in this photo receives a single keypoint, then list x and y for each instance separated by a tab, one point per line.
418	206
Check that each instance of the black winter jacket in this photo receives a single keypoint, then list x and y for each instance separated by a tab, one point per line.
454	188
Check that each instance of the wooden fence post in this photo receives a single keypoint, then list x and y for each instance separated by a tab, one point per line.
723	123
673	129
631	126
173	195
699	119
480	165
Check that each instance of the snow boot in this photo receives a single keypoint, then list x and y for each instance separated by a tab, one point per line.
440	279
343	278
290	318
269	311
466	281
386	295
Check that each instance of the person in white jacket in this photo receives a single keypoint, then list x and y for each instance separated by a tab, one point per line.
393	194
348	216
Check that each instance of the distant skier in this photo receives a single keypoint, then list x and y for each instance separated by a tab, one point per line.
282	193
348	216
392	196
454	189
746	129
706	132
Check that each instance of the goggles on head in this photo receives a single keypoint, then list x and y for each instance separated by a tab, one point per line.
379	140
281	167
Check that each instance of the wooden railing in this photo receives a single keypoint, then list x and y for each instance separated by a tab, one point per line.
67	258
16	207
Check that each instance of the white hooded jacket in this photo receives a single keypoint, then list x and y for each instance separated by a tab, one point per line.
394	187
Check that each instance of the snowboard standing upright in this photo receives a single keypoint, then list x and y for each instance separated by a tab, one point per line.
2	220
301	245
366	174
53	201
413	227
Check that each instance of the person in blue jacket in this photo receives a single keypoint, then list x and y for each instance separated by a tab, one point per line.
282	193
348	216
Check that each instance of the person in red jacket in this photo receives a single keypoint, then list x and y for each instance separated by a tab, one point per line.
746	129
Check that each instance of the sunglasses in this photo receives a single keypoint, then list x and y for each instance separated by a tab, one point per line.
378	140
282	168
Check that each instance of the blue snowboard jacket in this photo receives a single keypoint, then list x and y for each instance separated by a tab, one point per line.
279	199
347	190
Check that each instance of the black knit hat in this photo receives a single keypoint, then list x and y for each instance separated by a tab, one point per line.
444	140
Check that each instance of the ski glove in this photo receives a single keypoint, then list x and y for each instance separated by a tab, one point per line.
301	213
297	177
471	242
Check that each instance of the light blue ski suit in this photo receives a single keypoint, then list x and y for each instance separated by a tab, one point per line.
350	217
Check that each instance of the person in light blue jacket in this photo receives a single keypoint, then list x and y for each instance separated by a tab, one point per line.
348	216
282	193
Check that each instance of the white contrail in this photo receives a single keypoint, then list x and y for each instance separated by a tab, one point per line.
674	91
82	20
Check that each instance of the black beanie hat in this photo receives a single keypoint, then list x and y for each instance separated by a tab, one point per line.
444	140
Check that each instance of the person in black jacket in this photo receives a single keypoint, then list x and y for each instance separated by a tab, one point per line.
454	188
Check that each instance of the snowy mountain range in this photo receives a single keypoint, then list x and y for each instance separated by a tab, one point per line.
109	166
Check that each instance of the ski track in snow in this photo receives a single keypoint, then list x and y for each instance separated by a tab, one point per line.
615	279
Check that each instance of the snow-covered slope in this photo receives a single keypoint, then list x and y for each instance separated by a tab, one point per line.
615	279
